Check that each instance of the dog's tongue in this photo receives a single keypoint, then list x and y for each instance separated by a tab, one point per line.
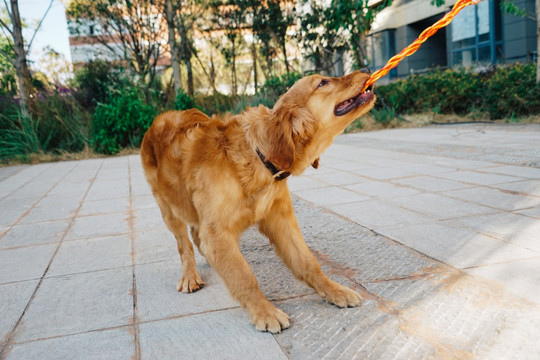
344	105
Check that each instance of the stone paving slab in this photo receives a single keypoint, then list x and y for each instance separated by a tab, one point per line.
436	227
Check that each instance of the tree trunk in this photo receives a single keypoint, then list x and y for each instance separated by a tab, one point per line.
234	78
186	52
169	13
212	72
284	50
254	54
24	79
538	42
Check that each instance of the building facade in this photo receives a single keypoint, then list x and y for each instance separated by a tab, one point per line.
478	36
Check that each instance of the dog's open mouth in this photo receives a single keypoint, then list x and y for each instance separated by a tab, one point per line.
349	105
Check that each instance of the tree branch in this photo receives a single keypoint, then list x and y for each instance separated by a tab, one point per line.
39	25
6	27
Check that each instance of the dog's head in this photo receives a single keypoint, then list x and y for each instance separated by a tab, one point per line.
316	108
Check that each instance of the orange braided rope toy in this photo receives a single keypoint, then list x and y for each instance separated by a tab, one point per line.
411	49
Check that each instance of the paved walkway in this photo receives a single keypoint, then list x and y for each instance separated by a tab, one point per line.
438	228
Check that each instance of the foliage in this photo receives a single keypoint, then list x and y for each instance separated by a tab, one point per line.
183	101
384	116
93	81
441	91
59	124
214	104
277	85
19	135
244	102
512	91
63	123
133	23
8	85
501	92
121	122
344	22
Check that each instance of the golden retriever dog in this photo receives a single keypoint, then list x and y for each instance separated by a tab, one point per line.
220	175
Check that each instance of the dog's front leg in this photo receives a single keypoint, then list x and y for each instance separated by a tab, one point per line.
222	252
281	227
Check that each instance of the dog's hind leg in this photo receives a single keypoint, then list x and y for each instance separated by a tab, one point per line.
281	227
191	279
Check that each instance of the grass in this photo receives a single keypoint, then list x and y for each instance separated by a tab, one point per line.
44	157
26	140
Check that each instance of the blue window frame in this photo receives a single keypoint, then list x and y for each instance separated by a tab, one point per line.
476	35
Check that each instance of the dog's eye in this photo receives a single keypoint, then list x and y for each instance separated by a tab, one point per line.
323	82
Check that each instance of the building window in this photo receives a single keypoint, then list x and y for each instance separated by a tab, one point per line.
381	46
477	35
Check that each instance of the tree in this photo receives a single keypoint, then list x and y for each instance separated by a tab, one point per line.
538	42
170	15
327	30
185	23
8	82
230	16
281	15
55	66
12	30
132	30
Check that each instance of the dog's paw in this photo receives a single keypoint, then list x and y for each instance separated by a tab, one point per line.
270	318
189	284
342	296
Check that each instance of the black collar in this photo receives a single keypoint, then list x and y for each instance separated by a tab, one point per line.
276	173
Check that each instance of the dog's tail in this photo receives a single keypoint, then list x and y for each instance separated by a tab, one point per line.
148	157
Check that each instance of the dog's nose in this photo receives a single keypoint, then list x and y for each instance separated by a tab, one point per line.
365	71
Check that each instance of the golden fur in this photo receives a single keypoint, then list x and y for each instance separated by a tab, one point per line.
205	173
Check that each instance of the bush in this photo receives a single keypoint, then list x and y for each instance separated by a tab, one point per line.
502	92
122	122
275	85
93	82
62	123
384	116
246	101
214	104
443	92
183	101
512	91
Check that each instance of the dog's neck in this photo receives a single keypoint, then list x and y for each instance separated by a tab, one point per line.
276	173
253	124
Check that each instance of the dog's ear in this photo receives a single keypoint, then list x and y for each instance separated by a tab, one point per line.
282	147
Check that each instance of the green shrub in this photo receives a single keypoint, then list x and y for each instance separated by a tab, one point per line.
243	102
63	124
443	92
512	91
122	122
274	86
214	104
183	101
384	116
501	92
93	82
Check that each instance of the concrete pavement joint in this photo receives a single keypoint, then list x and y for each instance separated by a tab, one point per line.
132	236
11	334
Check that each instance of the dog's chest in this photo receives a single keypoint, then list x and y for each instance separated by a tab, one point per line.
264	201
